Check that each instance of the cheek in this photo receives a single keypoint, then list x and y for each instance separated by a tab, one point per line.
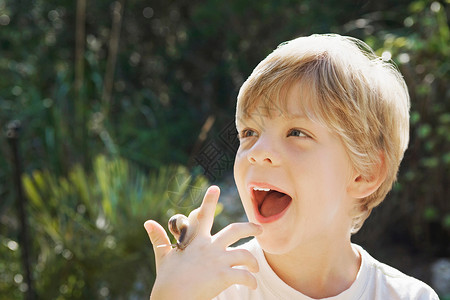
241	166
328	167
239	176
332	174
322	183
238	162
337	170
238	171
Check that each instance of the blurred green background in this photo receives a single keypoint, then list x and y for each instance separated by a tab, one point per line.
126	113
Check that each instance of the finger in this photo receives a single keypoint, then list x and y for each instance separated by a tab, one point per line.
206	211
242	257
159	239
239	276
236	231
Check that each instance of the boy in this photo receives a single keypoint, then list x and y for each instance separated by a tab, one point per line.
323	125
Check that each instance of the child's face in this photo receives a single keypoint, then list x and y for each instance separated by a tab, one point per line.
304	161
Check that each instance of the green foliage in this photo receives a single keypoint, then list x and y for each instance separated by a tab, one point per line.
11	286
88	232
421	50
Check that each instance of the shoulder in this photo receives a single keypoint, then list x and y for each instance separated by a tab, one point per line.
392	283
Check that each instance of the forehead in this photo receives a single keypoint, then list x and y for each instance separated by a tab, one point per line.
289	101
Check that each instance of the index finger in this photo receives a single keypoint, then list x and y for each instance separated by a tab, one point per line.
206	211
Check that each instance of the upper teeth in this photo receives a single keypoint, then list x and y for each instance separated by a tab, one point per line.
260	189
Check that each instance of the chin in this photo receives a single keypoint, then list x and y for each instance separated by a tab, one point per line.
275	238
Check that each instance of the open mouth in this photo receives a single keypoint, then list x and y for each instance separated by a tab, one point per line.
270	202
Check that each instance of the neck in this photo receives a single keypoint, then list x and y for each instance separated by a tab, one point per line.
318	269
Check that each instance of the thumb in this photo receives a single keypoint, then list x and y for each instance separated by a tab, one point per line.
159	239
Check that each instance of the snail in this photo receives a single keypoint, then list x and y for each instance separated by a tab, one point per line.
183	228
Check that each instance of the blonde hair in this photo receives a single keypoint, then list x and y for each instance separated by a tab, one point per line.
347	88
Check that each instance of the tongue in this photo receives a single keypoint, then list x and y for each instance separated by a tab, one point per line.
274	203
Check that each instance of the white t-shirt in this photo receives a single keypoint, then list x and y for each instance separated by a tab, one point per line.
375	281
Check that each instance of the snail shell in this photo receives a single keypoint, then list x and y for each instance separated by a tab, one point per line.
183	228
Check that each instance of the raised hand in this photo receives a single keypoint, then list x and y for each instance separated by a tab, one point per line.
206	266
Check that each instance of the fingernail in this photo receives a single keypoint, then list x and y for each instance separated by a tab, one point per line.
148	226
213	189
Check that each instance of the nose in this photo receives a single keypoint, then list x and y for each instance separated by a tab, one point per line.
263	152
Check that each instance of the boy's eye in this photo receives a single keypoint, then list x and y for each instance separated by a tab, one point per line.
247	133
297	132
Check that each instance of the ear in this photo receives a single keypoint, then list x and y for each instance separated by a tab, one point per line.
363	186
